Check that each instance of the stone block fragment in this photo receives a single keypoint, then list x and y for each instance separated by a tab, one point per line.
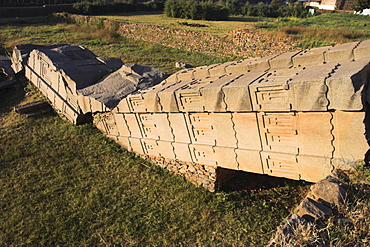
84	103
167	96
310	208
124	142
155	126
106	123
340	53
330	191
220	69
147	101
249	160
349	138
292	89
239	67
201	72
314	131
346	84
362	50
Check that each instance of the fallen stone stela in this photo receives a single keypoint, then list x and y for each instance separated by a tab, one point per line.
296	115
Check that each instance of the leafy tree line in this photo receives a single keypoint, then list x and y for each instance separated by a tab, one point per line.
220	10
92	8
360	5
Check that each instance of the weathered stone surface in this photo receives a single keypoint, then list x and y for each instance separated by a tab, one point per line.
330	191
314	209
349	142
129	78
296	115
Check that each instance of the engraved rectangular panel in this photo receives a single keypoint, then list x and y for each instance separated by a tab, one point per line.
155	126
249	160
246	128
167	96
203	154
133	125
280	165
179	127
212	129
279	132
190	101
201	128
158	148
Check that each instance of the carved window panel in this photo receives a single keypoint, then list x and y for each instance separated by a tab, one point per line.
201	128
274	97
203	154
280	165
148	126
190	101
136	103
279	132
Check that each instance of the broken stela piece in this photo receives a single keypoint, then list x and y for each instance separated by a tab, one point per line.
296	115
33	109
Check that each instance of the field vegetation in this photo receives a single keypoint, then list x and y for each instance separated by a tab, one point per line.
69	185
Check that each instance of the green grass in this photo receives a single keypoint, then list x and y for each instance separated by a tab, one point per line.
71	186
100	41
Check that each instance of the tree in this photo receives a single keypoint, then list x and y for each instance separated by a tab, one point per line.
360	5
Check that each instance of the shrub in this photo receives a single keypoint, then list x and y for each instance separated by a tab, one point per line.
195	10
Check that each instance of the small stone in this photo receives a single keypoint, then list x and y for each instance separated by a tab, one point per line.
314	209
330	191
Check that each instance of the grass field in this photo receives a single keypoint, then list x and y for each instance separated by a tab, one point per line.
66	185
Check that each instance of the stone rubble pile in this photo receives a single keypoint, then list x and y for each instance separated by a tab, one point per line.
237	43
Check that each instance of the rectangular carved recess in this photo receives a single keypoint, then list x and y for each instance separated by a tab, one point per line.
190	101
279	137
274	97
202	130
